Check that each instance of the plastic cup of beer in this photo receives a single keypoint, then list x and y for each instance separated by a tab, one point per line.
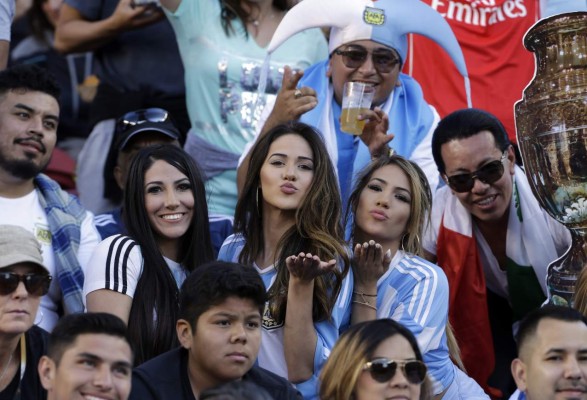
356	99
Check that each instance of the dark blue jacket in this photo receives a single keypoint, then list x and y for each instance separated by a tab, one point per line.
165	377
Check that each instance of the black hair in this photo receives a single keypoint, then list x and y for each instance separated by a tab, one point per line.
69	327
529	323
212	283
465	123
156	292
29	78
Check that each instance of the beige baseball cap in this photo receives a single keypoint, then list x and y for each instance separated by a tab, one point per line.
17	245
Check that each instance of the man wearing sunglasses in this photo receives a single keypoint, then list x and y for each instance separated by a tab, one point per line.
23	280
491	237
368	43
29	116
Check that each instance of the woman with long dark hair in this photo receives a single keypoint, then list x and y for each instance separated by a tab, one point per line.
223	46
287	225
137	277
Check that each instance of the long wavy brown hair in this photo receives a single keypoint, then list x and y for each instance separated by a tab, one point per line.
317	229
233	10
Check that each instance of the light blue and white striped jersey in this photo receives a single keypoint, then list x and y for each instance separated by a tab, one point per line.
271	353
415	293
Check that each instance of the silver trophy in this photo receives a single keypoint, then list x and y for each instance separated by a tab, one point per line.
551	124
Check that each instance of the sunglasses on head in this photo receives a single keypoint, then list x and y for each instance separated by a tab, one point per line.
138	117
489	173
35	284
353	57
383	370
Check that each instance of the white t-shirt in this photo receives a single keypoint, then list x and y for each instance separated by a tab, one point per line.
27	213
6	15
117	264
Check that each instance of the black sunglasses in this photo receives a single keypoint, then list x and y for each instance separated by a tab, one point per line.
138	117
489	173
35	284
355	56
383	370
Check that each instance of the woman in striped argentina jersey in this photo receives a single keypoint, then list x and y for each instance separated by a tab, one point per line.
137	276
390	204
288	225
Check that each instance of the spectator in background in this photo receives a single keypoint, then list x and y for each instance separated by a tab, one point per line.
71	71
137	276
6	15
138	66
219	327
23	280
134	131
223	45
89	356
29	117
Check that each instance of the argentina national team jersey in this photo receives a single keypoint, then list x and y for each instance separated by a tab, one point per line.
415	293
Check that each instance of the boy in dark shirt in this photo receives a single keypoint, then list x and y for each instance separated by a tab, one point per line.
219	328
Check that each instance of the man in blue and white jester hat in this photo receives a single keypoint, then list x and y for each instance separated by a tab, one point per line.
368	43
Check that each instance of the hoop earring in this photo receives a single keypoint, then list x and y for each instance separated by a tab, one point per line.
401	243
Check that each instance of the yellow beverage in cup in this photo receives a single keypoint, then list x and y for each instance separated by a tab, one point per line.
356	100
349	122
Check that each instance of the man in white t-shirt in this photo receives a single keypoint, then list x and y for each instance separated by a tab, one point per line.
29	116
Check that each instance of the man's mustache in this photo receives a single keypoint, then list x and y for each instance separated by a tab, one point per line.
34	139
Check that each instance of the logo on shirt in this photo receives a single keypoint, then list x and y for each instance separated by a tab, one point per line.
43	234
268	322
374	16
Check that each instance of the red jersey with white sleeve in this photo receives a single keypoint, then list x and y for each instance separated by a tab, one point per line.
490	33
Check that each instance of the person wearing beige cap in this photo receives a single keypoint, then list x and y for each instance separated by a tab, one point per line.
23	280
